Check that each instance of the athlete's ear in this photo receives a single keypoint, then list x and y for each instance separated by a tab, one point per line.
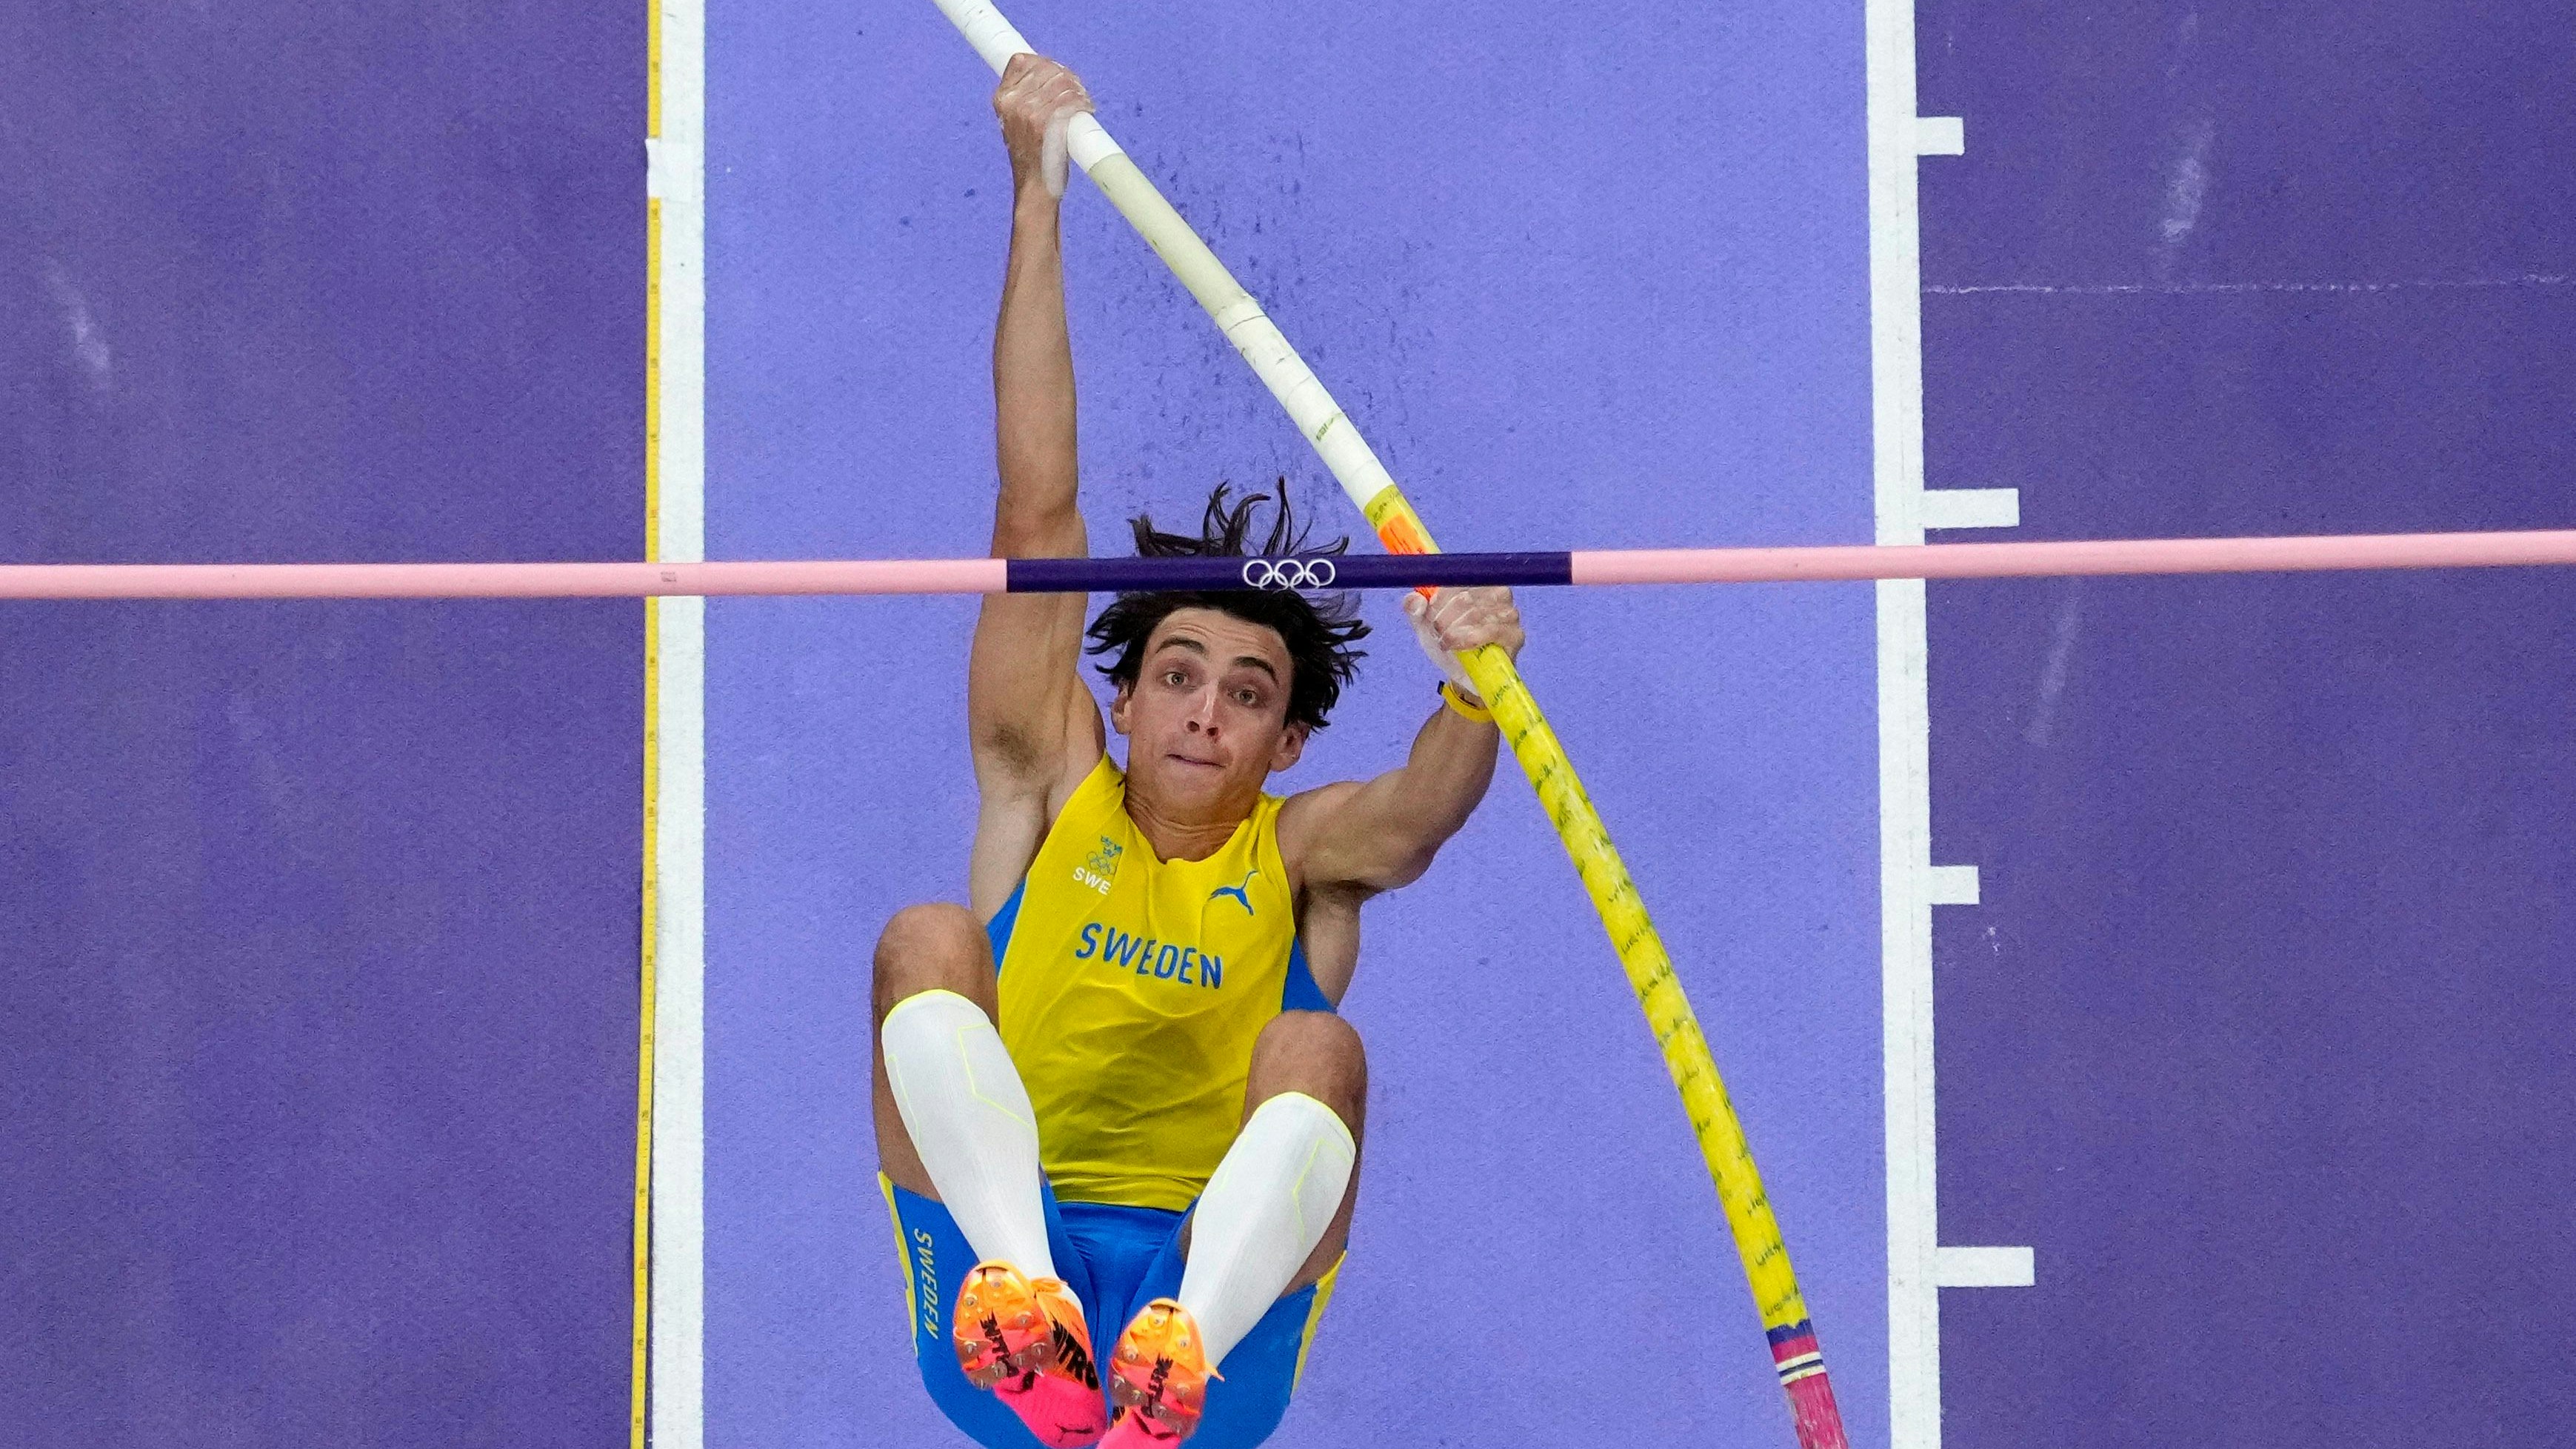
1118	706
1292	745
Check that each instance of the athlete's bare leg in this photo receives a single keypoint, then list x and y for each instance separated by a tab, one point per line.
925	948
1319	1054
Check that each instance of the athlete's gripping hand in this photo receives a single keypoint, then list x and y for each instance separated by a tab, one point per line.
1452	621
1037	101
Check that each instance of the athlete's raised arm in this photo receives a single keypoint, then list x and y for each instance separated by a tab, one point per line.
1035	729
1375	835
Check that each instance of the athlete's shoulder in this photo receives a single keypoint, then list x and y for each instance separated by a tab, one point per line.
1097	803
1308	804
1013	830
1105	777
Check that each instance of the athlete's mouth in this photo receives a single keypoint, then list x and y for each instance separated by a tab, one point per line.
1202	764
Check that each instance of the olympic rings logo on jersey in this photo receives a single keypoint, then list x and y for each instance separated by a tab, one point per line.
1288	573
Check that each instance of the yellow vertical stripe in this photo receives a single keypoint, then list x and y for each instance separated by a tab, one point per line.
644	1052
1315	1318
903	1252
638	1403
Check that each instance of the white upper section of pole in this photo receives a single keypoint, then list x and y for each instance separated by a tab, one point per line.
994	38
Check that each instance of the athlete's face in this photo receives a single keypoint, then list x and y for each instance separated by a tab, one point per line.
1207	718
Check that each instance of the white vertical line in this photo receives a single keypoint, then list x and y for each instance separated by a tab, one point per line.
682	156
679	1075
1913	1228
1904	734
1895	274
679	1072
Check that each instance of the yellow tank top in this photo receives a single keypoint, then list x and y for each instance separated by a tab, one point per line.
1132	989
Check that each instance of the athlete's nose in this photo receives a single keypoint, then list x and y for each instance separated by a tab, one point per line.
1203	719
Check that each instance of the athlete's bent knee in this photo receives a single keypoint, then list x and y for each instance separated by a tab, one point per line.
1309	1036
929	947
1314	1052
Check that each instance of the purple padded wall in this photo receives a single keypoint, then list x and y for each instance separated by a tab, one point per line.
318	922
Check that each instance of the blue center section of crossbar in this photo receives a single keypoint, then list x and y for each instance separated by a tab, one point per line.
1301	571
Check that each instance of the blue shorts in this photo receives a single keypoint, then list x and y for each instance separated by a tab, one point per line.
1116	1259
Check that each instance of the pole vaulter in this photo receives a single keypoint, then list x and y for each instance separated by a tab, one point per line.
1373	490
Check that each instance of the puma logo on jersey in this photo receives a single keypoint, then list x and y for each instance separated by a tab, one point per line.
1241	893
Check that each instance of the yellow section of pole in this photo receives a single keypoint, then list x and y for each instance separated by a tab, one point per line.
1639	946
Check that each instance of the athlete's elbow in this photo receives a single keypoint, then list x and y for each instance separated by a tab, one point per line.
1038	528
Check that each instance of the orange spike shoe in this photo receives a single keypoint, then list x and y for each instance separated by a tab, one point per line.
1158	1375
1025	1339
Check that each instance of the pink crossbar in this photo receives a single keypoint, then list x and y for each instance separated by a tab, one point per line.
500	580
988	576
2030	560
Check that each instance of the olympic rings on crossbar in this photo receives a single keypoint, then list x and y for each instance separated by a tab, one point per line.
1288	573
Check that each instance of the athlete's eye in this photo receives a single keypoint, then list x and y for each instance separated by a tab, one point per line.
1175	677
1248	698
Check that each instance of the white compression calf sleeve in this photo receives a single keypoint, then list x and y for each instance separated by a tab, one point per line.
970	1120
1264	1211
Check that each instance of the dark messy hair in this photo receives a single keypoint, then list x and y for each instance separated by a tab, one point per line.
1319	631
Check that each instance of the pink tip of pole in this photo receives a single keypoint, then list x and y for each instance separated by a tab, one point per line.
1811	1404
